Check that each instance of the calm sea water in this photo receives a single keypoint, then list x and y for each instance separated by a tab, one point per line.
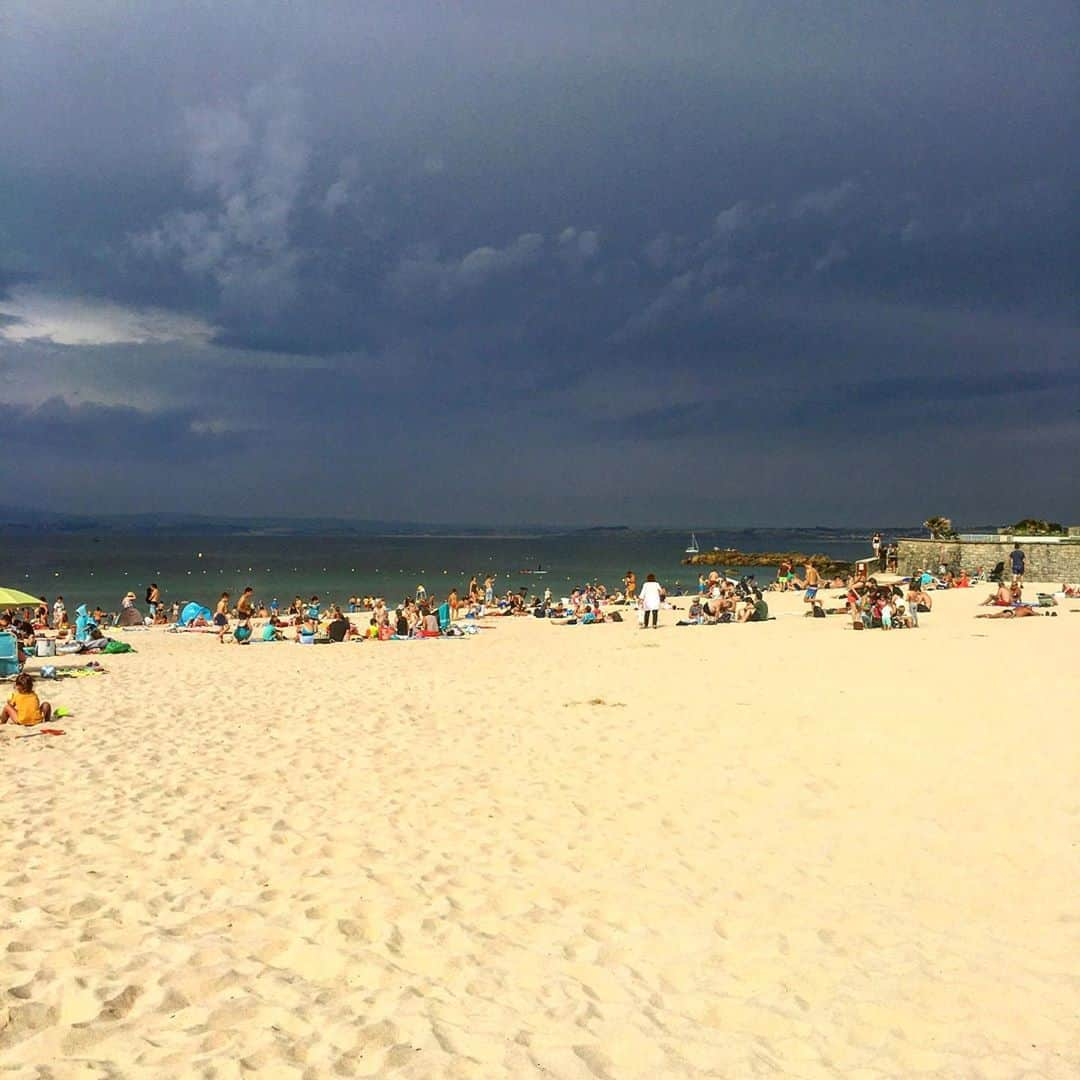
85	570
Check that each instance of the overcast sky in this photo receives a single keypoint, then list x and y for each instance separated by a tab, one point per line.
501	261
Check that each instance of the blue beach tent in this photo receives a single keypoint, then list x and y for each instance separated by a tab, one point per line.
191	612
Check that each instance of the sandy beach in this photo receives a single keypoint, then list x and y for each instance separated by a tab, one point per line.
784	849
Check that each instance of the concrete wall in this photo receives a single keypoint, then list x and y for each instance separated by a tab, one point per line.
1045	562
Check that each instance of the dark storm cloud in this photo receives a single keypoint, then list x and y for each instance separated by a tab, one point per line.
108	434
576	229
897	405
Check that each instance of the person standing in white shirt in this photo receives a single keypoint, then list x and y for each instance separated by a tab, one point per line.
651	595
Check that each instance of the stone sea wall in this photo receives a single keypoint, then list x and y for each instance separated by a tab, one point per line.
1044	562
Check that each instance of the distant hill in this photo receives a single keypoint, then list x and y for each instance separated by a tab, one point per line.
22	520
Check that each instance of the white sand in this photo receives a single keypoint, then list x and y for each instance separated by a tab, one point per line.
782	849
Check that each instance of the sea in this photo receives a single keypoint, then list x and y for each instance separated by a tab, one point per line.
100	570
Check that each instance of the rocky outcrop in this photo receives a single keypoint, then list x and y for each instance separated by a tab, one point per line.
825	564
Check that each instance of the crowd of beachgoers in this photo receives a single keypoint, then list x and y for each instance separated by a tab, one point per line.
884	601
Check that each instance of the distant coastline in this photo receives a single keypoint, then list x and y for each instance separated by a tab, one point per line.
17	520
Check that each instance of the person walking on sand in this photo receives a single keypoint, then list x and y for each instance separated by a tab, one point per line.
1016	558
630	584
221	616
245	606
652	596
813	580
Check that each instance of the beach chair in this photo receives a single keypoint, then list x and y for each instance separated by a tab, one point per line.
9	656
444	617
997	575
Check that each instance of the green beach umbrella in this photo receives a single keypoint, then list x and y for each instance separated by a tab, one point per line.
15	598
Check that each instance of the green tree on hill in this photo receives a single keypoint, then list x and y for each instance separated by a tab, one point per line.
1037	527
940	528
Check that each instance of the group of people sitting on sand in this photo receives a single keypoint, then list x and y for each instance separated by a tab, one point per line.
311	622
1010	602
873	606
726	601
84	635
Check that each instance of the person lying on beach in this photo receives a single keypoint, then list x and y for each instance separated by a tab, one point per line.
1021	612
24	707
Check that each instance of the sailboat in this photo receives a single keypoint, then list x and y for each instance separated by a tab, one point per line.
693	549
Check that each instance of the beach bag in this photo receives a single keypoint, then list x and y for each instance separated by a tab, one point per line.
615	617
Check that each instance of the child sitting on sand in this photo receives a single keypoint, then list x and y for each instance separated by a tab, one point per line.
24	706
